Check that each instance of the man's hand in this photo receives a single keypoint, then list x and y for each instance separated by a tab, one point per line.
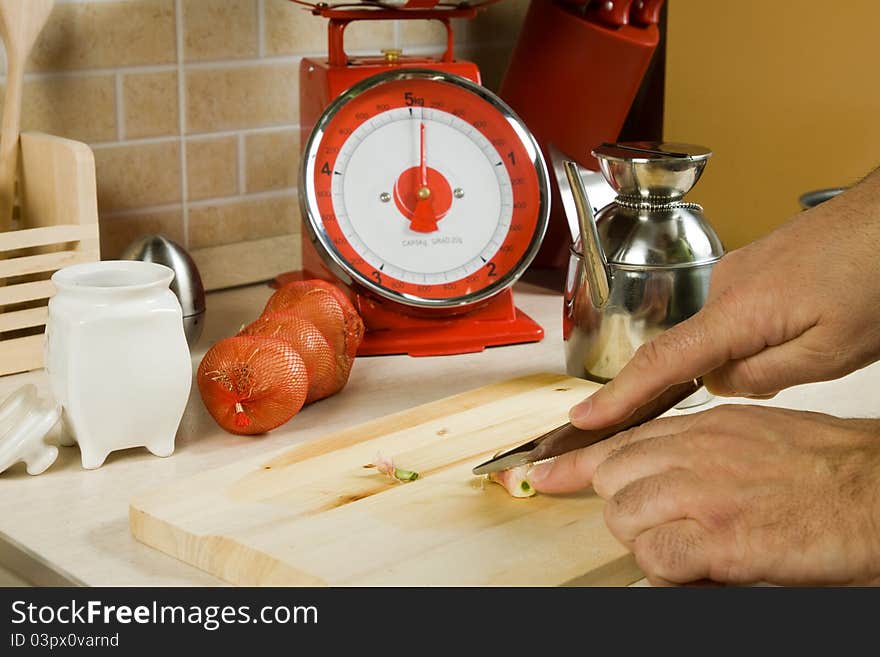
799	305
738	494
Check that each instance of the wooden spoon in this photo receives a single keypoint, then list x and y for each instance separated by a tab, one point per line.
20	23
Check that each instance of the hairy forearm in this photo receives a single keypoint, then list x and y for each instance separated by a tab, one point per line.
856	211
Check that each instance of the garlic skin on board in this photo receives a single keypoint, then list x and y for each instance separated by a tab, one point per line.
386	466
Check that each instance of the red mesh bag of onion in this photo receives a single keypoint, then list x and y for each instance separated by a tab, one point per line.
309	342
252	384
301	349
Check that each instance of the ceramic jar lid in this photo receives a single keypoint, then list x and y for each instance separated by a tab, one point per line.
25	420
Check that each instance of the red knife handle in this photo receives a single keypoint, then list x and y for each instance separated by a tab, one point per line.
646	12
614	13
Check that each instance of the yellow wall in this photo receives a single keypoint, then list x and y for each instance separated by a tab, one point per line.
787	95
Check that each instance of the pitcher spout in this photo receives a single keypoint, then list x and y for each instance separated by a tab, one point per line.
595	263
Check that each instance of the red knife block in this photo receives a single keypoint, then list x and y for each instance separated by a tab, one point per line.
572	78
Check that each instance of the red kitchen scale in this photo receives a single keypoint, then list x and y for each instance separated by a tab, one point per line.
421	191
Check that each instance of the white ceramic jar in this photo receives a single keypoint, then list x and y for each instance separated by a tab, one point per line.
117	358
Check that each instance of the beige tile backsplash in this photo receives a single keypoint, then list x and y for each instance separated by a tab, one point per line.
249	96
89	35
151	104
80	107
268	160
211	167
239	221
135	175
298	32
191	108
220	29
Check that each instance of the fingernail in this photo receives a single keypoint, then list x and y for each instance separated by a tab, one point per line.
580	411
539	473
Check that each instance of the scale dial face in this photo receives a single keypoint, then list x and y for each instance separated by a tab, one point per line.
425	189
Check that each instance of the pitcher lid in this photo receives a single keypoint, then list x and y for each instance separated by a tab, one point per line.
650	169
645	151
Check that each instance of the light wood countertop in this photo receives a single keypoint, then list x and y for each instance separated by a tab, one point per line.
70	526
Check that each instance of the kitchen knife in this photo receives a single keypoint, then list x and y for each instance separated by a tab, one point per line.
568	438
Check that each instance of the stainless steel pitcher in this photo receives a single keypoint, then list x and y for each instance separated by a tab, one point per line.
644	263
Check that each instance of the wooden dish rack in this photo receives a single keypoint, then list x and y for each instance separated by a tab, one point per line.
57	227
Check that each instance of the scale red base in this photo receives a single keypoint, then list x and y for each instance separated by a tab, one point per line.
498	322
391	327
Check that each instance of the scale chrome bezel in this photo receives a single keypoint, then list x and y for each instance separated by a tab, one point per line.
347	273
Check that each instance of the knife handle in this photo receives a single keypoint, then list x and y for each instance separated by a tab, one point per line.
568	437
646	12
613	13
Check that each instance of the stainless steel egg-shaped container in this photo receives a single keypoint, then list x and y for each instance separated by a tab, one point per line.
187	283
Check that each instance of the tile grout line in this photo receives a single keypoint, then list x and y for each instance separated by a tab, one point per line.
139	141
195	136
267	195
95	72
120	108
146	209
284	192
181	118
241	163
261	28
277	127
220	64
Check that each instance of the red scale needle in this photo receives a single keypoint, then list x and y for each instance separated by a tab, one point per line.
423	162
424	218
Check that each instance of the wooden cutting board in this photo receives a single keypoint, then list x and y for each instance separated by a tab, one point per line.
314	515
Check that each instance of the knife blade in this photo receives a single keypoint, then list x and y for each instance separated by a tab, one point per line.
567	437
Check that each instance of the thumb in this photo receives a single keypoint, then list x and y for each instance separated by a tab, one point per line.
568	473
574	470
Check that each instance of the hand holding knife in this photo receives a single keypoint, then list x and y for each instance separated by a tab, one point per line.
568	438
